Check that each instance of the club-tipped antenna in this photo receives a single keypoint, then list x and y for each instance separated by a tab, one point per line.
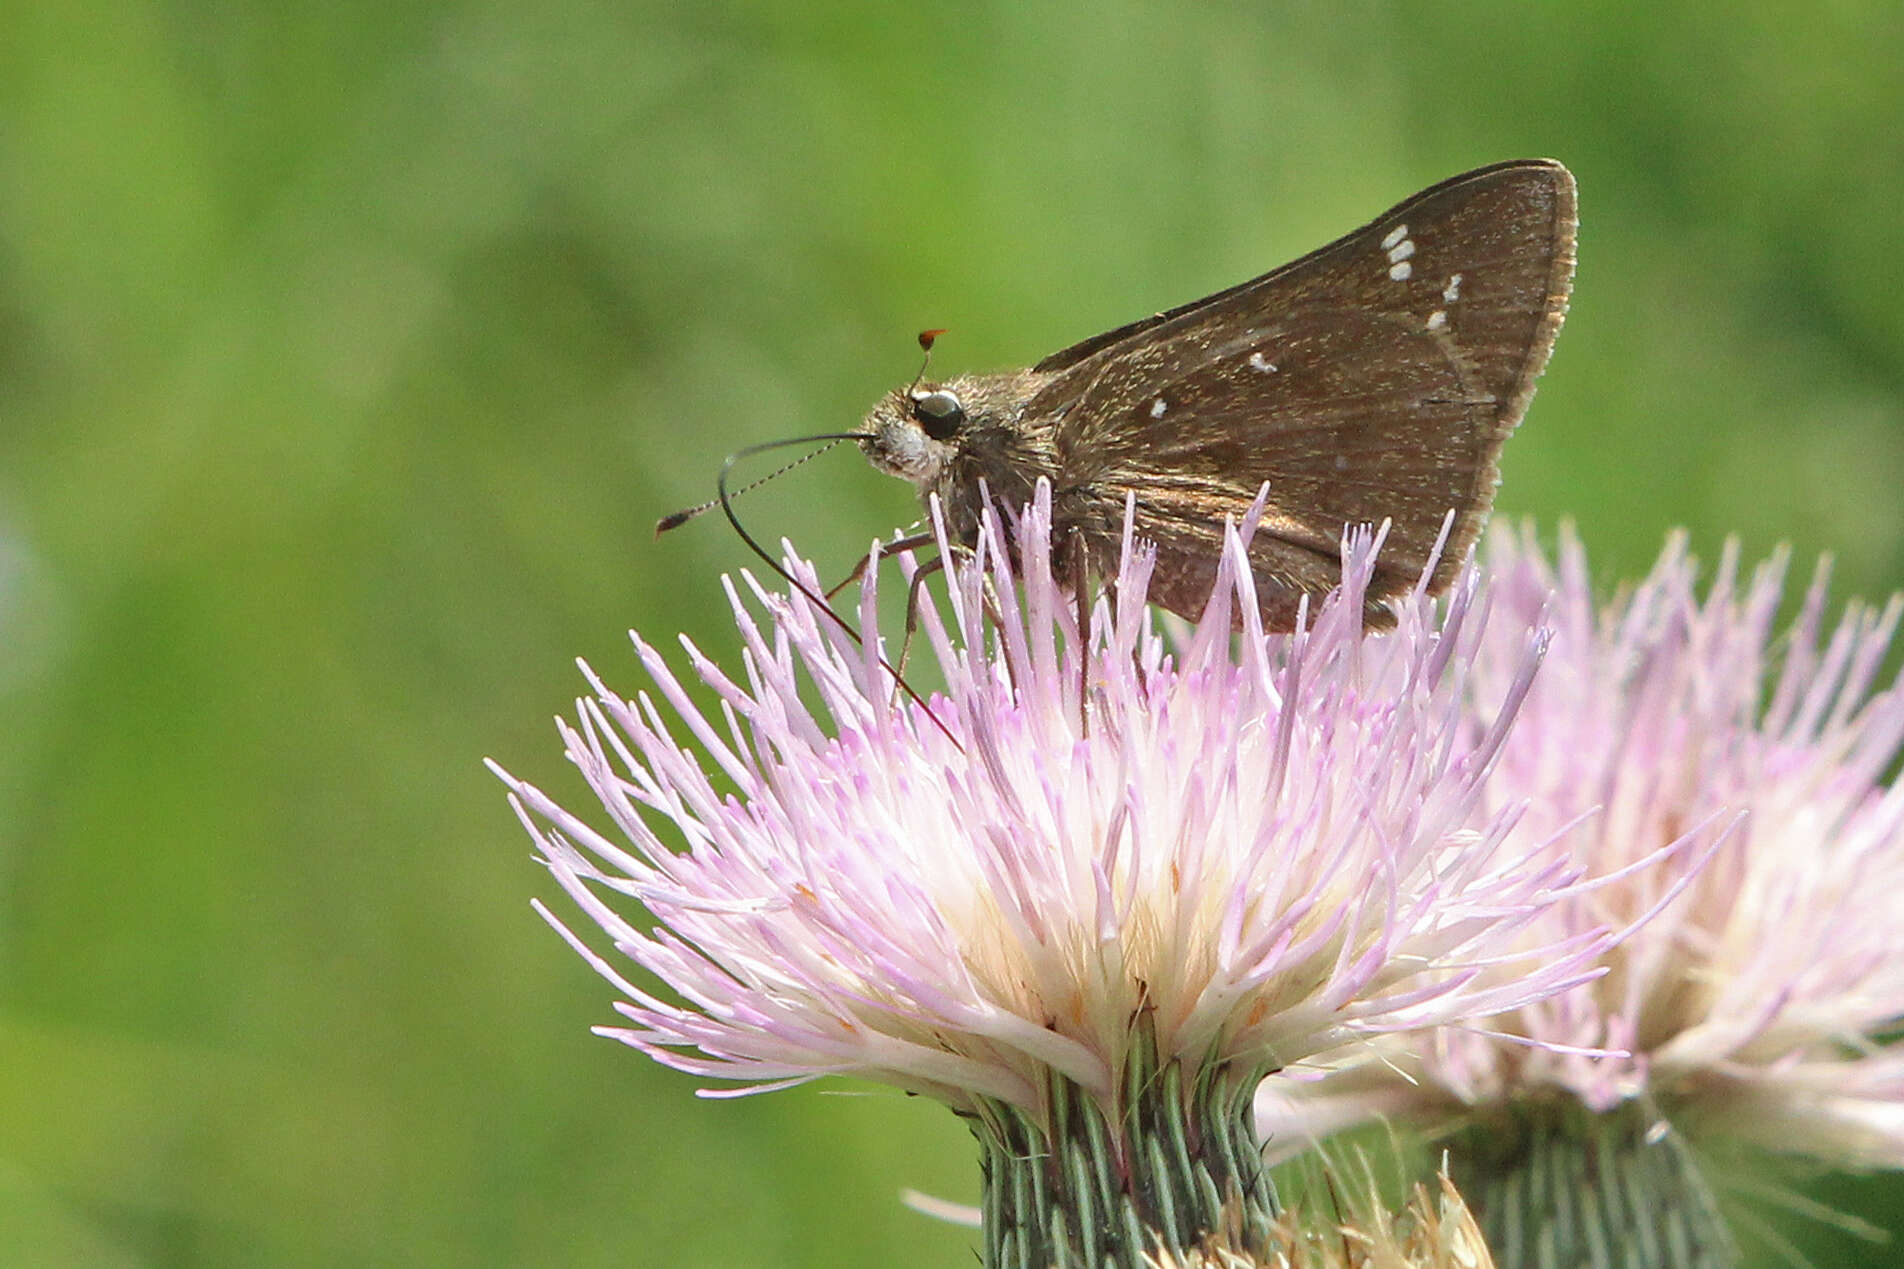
926	340
724	499
686	514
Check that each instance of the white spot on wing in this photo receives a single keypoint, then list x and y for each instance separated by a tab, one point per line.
1261	364
1453	292
1399	247
1157	408
1437	319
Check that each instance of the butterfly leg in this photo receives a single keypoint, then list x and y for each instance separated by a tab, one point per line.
910	542
914	591
1077	560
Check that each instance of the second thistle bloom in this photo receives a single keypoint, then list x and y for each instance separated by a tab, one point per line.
1753	1006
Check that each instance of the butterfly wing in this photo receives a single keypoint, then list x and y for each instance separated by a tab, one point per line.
1374	379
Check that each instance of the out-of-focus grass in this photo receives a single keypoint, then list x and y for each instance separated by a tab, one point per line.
348	353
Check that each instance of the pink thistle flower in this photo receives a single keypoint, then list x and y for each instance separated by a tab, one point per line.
1663	714
1752	1004
1246	852
1273	853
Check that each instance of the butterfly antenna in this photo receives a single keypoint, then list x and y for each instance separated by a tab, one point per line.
725	501
926	340
686	514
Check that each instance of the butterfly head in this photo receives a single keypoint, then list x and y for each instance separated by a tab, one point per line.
913	434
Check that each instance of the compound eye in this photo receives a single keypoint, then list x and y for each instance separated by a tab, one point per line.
939	413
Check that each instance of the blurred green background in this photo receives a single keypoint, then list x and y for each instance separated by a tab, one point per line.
349	351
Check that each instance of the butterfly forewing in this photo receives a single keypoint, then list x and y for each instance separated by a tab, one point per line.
1374	379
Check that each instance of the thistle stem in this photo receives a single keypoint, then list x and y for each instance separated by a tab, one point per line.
1555	1185
1175	1166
